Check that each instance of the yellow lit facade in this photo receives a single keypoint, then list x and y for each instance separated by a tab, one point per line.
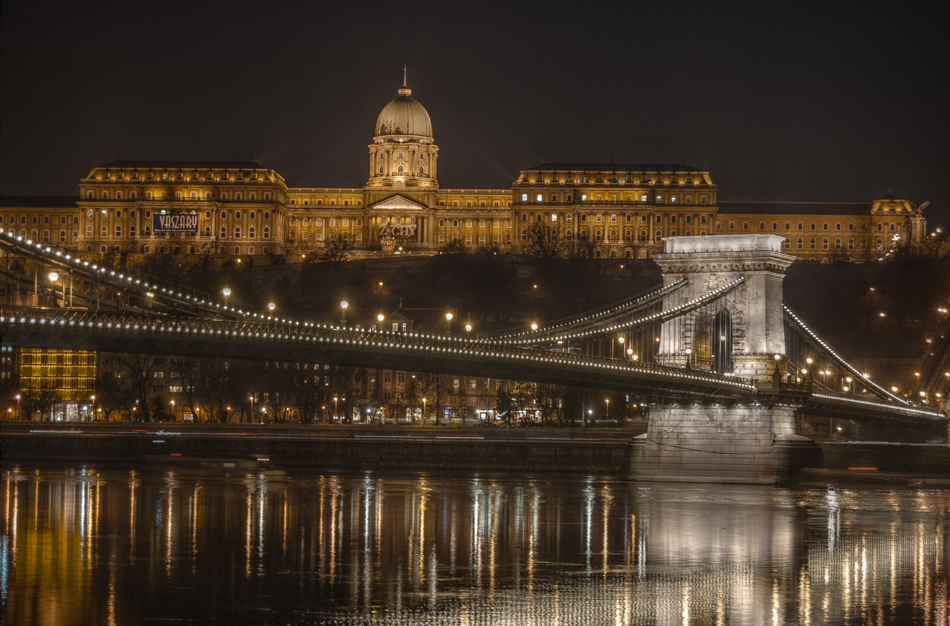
618	210
57	384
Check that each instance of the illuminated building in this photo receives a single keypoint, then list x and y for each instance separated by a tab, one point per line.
244	209
57	384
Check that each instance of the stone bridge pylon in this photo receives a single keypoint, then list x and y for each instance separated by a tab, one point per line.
741	334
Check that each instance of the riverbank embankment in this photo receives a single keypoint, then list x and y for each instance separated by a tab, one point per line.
601	451
597	450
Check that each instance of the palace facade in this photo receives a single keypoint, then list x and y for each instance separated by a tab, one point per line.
244	209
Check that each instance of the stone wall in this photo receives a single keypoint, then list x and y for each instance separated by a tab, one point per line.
720	443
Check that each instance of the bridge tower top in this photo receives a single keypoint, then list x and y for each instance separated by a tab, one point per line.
743	331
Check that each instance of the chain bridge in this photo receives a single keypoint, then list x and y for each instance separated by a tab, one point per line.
724	363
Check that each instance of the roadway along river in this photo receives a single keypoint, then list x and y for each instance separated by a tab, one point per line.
126	545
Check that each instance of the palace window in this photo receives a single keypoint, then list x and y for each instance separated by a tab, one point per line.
812	243
237	232
237	215
251	232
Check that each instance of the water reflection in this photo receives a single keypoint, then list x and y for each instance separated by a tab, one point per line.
90	546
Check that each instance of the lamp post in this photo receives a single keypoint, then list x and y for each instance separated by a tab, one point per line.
251	398
423	410
448	322
173	411
93	399
689	358
227	293
607	400
343	306
380	318
336	407
53	278
17	397
621	341
271	306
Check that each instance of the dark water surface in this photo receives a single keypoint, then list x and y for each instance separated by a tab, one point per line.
105	546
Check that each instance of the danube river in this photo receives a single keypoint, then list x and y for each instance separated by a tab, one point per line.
91	545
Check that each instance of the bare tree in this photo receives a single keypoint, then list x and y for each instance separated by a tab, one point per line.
334	249
142	373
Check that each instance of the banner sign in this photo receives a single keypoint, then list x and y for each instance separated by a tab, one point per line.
397	231
175	223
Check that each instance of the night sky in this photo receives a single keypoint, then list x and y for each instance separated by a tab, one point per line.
779	101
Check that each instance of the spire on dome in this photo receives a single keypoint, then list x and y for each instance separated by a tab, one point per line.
404	90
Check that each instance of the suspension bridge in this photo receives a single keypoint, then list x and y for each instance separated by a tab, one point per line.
725	364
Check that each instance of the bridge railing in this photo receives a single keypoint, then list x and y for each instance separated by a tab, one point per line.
356	338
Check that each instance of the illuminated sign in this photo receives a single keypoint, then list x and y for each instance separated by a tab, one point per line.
398	231
175	223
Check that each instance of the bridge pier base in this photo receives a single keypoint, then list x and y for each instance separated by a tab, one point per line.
735	443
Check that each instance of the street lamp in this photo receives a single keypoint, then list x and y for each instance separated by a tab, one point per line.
251	398
689	358
468	328
380	318
423	410
343	306
227	292
336	406
173	411
448	322
53	278
607	400
17	397
621	341
534	327
271	306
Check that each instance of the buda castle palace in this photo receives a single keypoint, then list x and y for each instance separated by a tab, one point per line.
244	209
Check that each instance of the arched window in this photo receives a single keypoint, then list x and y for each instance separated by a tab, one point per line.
524	234
812	243
722	342
237	232
237	215
251	232
400	170
800	243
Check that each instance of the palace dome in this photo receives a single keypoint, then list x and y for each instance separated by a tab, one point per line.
404	116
